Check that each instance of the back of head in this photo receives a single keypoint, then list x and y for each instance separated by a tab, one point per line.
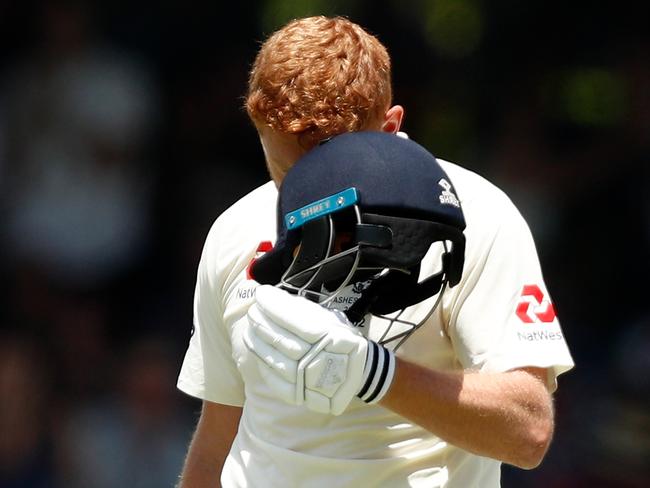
318	77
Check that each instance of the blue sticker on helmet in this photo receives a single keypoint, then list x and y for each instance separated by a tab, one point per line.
322	207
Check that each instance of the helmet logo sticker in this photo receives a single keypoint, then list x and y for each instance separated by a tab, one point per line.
447	197
324	206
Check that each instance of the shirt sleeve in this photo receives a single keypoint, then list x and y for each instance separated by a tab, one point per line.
209	371
502	316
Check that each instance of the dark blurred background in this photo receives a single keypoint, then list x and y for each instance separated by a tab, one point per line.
122	137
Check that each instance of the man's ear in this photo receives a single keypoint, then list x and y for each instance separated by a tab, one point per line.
393	119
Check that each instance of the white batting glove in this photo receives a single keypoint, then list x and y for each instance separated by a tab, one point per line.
313	356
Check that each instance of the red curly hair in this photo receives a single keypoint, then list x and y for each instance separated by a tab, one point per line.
317	77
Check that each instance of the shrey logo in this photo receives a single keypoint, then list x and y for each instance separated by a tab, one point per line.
447	196
533	307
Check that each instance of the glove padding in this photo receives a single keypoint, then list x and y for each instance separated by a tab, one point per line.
313	356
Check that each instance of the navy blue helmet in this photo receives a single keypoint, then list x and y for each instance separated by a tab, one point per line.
365	207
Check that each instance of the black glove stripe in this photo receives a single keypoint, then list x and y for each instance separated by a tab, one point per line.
382	378
374	350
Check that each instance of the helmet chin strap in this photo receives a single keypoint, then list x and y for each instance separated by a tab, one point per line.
395	290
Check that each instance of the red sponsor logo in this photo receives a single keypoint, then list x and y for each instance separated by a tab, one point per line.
534	307
264	246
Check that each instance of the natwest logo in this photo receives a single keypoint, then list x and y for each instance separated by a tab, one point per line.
533	307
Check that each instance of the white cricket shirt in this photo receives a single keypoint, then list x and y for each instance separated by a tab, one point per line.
499	317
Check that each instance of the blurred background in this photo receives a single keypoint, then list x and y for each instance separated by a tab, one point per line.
122	137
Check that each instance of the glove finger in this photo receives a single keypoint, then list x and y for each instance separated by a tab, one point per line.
270	358
343	340
275	336
281	388
308	320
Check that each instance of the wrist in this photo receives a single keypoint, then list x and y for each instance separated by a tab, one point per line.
378	374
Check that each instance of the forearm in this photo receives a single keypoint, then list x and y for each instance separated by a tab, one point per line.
210	446
201	470
506	416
